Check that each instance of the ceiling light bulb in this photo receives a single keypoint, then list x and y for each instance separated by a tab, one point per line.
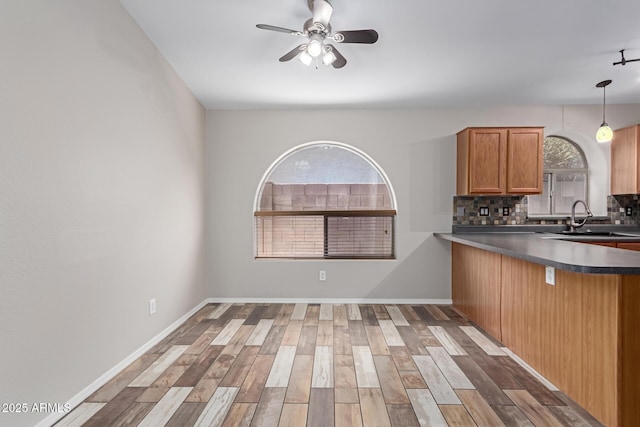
604	133
328	56
305	58
315	45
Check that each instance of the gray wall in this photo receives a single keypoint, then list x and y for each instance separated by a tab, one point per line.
101	197
416	149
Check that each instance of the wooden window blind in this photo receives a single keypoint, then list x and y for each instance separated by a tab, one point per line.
350	234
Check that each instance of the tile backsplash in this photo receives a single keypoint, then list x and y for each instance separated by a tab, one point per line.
513	210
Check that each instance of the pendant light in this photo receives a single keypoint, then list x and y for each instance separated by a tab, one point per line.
604	133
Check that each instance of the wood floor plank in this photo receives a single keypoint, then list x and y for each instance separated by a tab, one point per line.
397	316
203	342
440	388
368	315
217	408
307	340
408	312
292	333
272	342
493	368
366	374
293	415
511	415
482	382
321	408
169	377
340	315
346	386
203	390
325	333
166	407
313	315
149	375
152	394
224	337
447	342
114	408
353	312
479	409
358	333
536	412
260	332
282	365
326	312
374	411
426	409
133	415
256	314
239	415
402	416
269	407
411	340
377	342
483	342
300	383
454	375
391	334
219	310
284	315
299	312
530	369
341	340
424	333
322	376
81	414
255	380
436	312
380	310
457	416
348	415
121	380
390	382
238	371
530	382
186	415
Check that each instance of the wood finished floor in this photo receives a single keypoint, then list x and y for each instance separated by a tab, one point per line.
325	365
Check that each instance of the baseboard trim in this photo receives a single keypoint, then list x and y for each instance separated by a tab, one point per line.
415	301
111	373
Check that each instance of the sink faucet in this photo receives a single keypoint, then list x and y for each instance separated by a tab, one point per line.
573	224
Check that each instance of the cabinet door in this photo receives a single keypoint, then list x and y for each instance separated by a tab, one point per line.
487	158
624	161
525	162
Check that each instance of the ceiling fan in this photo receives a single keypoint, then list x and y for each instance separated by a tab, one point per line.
317	30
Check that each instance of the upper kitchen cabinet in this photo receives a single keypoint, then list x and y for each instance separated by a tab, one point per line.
625	160
499	161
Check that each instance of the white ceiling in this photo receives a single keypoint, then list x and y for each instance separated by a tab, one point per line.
430	53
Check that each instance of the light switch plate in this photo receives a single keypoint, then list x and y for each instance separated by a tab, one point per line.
484	211
550	275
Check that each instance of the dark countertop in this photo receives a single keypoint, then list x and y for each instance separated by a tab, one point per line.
556	250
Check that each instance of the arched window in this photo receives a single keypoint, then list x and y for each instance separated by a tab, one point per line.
566	178
324	200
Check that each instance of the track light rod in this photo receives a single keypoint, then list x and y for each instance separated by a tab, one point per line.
624	61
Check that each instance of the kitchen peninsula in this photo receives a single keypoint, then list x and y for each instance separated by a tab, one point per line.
569	309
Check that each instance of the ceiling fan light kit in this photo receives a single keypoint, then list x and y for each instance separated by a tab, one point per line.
318	31
623	60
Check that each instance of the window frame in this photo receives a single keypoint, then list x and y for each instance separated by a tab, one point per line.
347	212
552	172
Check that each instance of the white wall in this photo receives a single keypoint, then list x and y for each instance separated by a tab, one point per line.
101	196
416	148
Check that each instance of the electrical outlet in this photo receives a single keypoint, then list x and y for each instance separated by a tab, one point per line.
323	276
506	211
460	211
550	275
152	306
484	211
628	211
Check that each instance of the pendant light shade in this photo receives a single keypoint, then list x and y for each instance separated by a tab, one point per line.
604	133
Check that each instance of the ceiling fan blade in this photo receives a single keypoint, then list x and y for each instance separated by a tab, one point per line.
340	60
356	36
293	53
279	29
322	11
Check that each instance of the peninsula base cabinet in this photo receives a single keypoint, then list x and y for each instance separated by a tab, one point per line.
582	334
